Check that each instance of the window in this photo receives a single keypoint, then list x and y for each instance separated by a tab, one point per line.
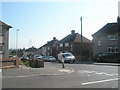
112	37
61	45
48	48
112	49
99	43
0	30
71	47
1	39
66	44
1	49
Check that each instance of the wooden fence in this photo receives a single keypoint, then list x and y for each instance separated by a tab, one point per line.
9	62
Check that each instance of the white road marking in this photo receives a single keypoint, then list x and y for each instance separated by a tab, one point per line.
0	70
66	70
86	83
95	72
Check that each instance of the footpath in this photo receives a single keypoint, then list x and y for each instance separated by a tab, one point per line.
24	71
98	63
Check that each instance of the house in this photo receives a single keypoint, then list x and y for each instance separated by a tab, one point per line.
118	33
4	40
49	49
72	43
106	40
30	51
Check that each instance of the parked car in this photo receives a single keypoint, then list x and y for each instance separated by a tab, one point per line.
50	58
23	58
68	57
41	57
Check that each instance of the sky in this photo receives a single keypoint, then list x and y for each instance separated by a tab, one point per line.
40	21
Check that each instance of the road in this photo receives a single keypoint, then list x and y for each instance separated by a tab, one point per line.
82	76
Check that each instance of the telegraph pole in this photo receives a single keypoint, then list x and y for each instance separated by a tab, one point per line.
81	41
17	41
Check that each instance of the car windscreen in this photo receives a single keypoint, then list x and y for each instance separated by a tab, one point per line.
68	54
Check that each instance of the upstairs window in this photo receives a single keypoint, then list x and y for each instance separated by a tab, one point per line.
61	45
0	31
66	44
112	37
99	43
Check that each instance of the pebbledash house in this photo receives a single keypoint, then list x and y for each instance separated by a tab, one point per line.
4	40
107	39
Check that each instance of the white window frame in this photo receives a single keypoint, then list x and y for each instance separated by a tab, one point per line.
66	44
61	45
113	49
99	43
112	37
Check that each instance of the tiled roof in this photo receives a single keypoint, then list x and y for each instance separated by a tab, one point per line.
50	43
108	28
76	37
69	38
32	49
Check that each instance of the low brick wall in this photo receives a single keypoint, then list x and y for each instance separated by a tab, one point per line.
9	62
36	63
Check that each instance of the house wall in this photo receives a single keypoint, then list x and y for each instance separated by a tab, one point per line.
99	48
105	43
4	40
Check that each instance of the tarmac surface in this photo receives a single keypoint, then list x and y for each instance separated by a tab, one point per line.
28	72
47	70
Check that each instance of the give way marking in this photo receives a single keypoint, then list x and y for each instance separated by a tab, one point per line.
100	81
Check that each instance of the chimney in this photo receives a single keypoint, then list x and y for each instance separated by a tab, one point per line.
54	38
73	32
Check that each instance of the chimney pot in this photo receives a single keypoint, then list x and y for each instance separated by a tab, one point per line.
73	32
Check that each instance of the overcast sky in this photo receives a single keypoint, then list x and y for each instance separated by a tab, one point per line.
40	21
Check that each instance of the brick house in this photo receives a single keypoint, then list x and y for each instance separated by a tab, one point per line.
4	40
107	39
49	49
30	51
72	43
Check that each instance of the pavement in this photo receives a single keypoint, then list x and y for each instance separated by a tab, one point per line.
24	71
98	63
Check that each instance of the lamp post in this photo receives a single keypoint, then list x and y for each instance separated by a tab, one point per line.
81	41
17	42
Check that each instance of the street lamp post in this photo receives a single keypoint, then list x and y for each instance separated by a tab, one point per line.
17	42
81	41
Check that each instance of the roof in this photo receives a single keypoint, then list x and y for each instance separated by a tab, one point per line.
69	38
4	24
50	43
76	37
108	28
32	49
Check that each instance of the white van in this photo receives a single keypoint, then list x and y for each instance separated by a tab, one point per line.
67	57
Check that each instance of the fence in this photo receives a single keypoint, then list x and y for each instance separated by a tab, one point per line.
9	62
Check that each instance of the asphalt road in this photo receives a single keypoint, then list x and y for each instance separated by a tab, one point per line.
83	76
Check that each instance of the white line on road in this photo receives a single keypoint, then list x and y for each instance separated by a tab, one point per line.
100	81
